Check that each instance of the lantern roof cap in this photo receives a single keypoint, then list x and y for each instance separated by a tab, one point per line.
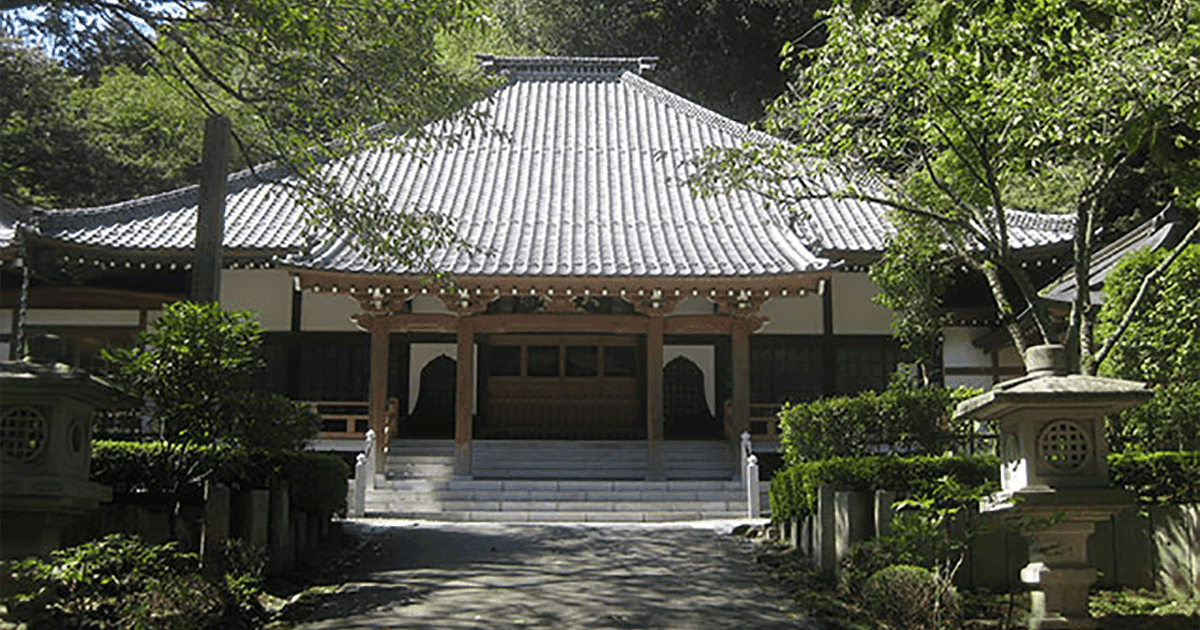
1049	385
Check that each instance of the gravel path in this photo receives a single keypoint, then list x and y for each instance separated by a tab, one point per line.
427	576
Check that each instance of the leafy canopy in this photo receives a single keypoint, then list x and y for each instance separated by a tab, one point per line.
957	112
304	81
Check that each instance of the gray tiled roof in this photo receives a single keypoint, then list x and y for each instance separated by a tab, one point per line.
261	220
581	174
584	175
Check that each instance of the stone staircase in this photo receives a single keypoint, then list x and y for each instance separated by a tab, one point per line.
557	481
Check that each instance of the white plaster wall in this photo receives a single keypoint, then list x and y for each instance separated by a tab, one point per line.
794	315
429	305
705	358
328	312
958	351
419	355
694	306
853	311
83	317
267	292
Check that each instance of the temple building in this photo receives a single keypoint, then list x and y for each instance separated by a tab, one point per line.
599	298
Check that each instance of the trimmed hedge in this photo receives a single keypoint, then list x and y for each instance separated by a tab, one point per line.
160	469
1170	477
1156	478
794	489
896	420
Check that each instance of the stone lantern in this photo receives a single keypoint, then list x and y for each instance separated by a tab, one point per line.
1054	474
46	413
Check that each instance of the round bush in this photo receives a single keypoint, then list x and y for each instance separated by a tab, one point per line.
904	597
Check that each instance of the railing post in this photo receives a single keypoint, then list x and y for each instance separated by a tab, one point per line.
358	507
369	449
753	493
744	451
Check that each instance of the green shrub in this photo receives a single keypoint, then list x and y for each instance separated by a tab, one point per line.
1169	421
120	583
318	481
896	420
1158	477
905	597
195	370
794	489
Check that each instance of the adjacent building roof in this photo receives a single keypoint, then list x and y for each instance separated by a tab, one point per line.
1159	232
578	168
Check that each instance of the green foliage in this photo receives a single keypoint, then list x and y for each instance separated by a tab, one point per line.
195	368
724	54
942	110
1157	477
118	582
912	277
46	152
1169	421
318	481
794	489
381	75
1161	345
906	597
898	419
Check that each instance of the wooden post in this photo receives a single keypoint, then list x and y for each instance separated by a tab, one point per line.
465	390
740	348
379	393
210	215
654	399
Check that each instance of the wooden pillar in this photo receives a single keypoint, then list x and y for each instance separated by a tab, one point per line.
465	389
210	214
740	349
379	393
654	398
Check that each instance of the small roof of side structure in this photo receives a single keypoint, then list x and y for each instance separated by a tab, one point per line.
578	169
1157	233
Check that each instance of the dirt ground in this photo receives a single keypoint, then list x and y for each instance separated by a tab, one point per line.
442	576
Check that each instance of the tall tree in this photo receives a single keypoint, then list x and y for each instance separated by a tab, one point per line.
318	79
952	112
724	54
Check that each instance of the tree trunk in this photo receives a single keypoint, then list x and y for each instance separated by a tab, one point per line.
1004	306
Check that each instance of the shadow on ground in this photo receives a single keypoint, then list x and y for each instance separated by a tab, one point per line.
456	576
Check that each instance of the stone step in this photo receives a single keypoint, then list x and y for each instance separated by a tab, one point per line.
551	485
562	517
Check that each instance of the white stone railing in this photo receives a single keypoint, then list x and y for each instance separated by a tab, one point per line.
364	477
749	470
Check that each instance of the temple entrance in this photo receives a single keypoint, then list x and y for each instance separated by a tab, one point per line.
433	415
561	387
685	407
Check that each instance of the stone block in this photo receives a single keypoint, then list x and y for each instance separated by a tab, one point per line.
279	533
255	506
1175	548
853	521
884	512
216	525
1133	550
824	532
